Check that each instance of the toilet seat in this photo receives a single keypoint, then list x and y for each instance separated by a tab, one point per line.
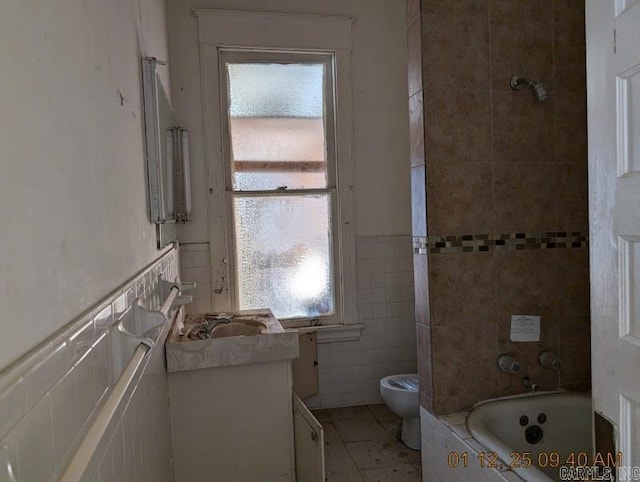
404	382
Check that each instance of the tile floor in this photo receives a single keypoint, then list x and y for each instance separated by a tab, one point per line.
362	444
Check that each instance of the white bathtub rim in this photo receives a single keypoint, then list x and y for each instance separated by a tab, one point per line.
526	395
486	438
532	474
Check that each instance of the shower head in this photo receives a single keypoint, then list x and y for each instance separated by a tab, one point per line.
517	83
540	92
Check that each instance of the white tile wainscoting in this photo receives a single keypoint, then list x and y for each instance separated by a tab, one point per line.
49	398
195	266
444	434
350	371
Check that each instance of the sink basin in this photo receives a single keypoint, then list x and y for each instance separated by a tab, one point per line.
213	340
213	326
238	328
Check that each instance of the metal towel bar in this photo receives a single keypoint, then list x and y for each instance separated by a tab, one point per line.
80	460
82	457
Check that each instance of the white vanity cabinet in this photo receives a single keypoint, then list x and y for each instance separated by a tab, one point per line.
233	423
232	410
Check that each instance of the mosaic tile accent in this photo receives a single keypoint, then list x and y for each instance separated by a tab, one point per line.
469	243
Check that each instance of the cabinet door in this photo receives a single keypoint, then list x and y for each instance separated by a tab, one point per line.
309	444
305	367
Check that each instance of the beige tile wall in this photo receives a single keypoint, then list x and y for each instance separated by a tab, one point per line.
419	201
488	160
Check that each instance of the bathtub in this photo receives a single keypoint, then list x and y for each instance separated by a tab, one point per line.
551	427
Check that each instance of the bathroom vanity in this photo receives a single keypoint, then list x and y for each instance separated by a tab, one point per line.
231	399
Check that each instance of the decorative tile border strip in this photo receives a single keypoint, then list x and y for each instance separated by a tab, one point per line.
470	243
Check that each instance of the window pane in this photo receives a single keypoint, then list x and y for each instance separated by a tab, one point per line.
283	246
277	126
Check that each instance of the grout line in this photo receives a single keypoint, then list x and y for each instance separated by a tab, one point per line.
344	444
491	120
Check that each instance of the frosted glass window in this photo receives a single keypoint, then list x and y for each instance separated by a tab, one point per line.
284	254
279	153
276	90
277	126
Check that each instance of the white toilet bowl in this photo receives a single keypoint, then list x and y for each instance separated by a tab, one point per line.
402	396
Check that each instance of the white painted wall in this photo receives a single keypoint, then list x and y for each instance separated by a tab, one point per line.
72	177
381	130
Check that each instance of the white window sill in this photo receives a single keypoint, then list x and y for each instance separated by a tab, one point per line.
333	333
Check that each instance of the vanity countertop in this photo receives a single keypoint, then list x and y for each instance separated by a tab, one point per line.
273	344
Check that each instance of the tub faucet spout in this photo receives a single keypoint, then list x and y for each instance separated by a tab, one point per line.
526	381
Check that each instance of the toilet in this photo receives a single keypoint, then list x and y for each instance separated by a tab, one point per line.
401	394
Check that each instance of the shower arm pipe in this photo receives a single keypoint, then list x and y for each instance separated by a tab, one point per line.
517	83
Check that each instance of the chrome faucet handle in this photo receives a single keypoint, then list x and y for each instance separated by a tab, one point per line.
507	364
550	360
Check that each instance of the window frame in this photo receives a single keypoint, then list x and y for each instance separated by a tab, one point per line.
236	30
285	57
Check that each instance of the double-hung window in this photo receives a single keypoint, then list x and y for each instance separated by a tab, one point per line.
279	153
